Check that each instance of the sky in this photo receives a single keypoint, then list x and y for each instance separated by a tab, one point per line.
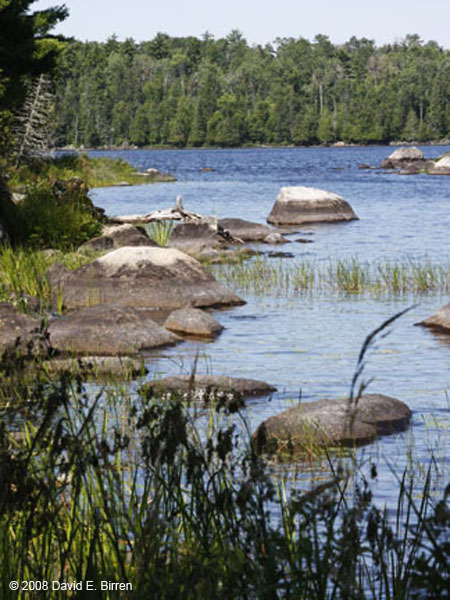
261	21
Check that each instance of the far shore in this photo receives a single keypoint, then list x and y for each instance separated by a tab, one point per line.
338	144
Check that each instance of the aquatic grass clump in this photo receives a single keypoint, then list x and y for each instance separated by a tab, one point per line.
261	275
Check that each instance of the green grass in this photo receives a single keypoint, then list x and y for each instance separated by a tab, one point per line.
262	276
23	273
159	231
96	172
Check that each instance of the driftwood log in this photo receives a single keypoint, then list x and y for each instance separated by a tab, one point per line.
177	213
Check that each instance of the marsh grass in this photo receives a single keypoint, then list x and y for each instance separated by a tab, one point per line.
263	276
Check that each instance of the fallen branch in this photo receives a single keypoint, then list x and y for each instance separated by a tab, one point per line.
178	213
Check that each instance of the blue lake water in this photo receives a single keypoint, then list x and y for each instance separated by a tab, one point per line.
310	344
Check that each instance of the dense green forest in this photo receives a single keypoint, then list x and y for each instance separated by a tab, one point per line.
225	92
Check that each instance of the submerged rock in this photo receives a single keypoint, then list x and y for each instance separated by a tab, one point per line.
107	330
211	385
248	231
192	321
298	205
158	278
330	422
440	321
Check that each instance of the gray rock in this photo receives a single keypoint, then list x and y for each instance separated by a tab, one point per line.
196	238
441	166
215	385
329	421
275	239
107	330
406	154
57	273
192	321
20	332
248	231
157	176
298	205
117	236
410	160
97	367
158	278
440	321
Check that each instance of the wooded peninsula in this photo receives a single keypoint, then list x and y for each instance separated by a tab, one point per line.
225	92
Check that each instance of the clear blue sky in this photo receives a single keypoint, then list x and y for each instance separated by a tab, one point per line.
260	21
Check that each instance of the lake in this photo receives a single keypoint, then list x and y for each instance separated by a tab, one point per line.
308	343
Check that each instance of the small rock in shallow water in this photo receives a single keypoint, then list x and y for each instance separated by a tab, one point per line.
211	385
331	422
192	321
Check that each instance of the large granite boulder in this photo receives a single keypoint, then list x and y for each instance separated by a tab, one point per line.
248	231
107	330
440	321
158	278
194	322
20	332
117	236
441	166
207	386
330	422
298	205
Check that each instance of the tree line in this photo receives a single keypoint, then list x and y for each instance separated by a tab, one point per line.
224	92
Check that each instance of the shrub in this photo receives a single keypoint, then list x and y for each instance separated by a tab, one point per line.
57	215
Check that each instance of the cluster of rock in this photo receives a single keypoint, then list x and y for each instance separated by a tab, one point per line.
139	296
411	160
113	306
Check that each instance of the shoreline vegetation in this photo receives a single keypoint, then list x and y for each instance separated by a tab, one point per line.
94	172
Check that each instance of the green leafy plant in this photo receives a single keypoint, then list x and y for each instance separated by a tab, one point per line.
58	215
159	231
